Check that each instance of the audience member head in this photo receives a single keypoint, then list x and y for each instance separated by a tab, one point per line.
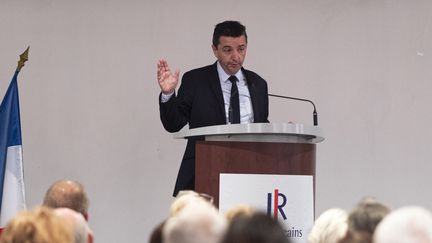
257	228
156	234
356	237
81	229
187	197
367	215
408	224
39	225
198	221
67	194
363	220
331	226
239	211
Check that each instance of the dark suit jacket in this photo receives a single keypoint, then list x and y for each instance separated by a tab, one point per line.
200	103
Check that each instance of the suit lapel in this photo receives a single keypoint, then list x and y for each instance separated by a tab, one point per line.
217	90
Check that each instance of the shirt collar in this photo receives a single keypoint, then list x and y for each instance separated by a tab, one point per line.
223	76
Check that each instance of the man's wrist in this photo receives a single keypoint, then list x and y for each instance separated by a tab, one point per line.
166	97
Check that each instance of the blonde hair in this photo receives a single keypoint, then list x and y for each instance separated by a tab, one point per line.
185	198
331	226
198	221
239	211
39	225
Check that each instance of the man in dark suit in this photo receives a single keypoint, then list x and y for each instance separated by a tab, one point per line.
221	93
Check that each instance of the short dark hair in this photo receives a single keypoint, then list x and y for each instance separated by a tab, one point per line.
228	28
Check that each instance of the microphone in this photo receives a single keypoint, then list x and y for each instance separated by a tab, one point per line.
315	114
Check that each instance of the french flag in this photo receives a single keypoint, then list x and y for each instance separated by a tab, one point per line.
12	194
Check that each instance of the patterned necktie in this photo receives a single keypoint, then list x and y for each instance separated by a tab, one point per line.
234	106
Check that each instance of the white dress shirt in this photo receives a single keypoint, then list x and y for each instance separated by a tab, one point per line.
246	111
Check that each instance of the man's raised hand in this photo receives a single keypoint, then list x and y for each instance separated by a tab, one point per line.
167	80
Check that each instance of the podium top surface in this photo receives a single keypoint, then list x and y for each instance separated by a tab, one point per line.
256	132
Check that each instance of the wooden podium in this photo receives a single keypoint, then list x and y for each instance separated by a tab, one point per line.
256	148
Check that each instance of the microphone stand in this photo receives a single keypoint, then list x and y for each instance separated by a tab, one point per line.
315	114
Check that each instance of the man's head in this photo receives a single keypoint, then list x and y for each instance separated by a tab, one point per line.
67	194
229	45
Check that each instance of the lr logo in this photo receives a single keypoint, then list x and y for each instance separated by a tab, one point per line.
277	205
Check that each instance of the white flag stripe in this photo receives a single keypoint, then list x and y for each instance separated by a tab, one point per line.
13	199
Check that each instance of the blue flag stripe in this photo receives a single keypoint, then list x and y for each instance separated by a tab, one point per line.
10	126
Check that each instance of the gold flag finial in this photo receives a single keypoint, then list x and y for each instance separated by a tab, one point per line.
23	59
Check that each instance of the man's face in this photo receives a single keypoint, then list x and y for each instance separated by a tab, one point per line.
231	53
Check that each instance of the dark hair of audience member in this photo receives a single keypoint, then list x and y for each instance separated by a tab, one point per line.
258	228
367	215
363	220
356	237
156	234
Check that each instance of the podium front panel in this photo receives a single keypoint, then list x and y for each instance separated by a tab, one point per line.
213	158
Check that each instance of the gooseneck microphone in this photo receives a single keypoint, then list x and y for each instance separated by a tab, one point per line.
315	114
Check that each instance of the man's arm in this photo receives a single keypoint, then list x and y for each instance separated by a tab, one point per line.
171	115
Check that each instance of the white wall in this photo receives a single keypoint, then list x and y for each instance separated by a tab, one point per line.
89	96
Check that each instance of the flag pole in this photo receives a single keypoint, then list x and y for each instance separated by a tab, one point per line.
23	59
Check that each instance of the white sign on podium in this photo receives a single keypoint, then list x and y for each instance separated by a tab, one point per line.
288	198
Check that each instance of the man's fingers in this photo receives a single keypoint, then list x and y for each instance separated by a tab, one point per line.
164	74
177	73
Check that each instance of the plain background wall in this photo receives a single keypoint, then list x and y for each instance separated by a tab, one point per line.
89	94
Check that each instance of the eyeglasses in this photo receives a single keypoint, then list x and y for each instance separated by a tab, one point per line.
206	197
